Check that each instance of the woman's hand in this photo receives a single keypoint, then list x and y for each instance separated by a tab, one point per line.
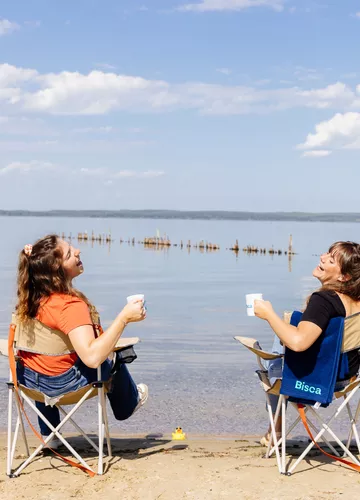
263	309
134	311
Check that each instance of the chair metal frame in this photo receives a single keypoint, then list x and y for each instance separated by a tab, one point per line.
22	394
347	393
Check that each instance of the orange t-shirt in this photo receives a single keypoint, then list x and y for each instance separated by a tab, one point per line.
60	312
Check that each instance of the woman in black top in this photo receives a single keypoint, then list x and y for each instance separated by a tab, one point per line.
339	274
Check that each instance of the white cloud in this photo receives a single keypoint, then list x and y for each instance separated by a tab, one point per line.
66	145
349	76
110	175
93	172
342	131
152	173
224	71
12	76
220	5
320	153
324	97
104	65
91	130
98	93
357	14
98	174
306	74
7	27
18	166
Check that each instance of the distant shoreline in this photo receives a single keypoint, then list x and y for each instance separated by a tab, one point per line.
189	215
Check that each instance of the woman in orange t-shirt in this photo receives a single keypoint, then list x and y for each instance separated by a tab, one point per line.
46	293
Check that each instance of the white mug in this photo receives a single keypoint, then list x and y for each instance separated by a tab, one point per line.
250	297
132	298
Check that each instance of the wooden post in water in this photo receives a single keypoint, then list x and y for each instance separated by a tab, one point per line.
290	254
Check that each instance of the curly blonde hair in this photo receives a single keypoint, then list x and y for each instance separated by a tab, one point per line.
41	274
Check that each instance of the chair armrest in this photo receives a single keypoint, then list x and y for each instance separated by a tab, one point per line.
122	343
254	346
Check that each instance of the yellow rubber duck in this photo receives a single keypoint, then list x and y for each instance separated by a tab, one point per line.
178	434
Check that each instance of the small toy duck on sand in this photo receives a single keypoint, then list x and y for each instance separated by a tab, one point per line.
178	435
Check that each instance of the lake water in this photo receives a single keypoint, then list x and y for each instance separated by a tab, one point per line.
198	376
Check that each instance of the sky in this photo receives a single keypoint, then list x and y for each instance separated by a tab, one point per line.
180	104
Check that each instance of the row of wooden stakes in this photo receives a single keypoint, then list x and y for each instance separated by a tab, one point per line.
155	242
252	249
164	243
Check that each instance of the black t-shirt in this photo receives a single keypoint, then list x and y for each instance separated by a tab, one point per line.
323	306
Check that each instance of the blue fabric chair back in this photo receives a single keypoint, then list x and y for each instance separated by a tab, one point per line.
310	376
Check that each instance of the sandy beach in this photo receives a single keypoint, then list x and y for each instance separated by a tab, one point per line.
151	468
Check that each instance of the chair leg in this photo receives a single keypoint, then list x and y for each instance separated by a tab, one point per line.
330	431
106	424
357	417
273	437
283	434
323	438
23	432
353	428
101	432
9	432
292	426
326	428
15	438
78	428
55	432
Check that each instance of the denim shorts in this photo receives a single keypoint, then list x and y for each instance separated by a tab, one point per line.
73	379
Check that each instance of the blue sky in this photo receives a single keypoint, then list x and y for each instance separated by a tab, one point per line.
203	104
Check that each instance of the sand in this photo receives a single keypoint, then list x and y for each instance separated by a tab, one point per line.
151	468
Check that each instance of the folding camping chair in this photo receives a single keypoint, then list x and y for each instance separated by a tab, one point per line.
22	395
351	341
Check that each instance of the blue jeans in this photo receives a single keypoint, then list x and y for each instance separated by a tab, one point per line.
123	395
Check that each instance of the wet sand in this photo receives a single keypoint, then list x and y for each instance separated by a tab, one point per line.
155	467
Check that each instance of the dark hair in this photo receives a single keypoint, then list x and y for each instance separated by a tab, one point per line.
41	274
347	254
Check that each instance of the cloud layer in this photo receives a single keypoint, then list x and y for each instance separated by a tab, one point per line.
7	27
101	174
31	166
99	93
25	91
234	5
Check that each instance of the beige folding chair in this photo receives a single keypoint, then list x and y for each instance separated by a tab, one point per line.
351	341
22	394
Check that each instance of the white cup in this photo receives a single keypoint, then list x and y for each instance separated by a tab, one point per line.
132	298
250	297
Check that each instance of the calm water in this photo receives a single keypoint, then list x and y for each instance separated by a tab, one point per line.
198	376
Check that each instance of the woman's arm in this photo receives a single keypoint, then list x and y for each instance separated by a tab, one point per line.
295	338
93	351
